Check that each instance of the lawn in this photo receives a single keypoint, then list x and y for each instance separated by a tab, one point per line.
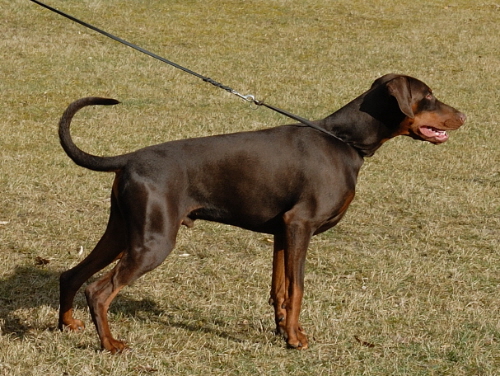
406	284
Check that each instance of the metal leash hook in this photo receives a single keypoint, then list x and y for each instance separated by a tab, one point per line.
248	97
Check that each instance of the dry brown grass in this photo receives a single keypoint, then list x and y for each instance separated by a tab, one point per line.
412	269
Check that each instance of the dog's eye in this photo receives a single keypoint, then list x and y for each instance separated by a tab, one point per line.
429	96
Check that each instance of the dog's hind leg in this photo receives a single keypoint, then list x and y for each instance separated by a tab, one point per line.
152	232
137	261
109	248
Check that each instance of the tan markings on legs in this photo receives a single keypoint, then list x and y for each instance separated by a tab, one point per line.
278	290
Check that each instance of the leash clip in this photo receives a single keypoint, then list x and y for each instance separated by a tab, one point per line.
248	97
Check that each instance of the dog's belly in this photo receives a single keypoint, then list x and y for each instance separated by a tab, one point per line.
264	224
267	220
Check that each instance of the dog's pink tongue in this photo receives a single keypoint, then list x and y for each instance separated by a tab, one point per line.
438	134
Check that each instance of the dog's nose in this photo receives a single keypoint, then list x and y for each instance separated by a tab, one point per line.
462	117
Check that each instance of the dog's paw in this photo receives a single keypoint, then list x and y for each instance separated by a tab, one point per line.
73	326
298	339
114	346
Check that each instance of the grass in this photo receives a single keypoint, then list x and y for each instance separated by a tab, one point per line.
412	270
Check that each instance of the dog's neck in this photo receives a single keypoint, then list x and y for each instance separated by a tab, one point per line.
364	128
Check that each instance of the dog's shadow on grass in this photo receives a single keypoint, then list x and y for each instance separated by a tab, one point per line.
27	288
29	300
178	315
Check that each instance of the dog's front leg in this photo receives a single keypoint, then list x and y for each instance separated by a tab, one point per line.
278	291
298	235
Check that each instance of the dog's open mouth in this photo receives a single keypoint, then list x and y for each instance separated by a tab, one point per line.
433	134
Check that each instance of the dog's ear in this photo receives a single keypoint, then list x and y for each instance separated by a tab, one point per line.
399	88
384	79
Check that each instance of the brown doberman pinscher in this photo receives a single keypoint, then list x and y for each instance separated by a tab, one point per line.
291	181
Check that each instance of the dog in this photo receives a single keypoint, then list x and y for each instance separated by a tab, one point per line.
290	181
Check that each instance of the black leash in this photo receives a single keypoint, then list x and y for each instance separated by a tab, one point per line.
248	98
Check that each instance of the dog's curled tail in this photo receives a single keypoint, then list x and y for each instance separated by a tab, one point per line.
81	158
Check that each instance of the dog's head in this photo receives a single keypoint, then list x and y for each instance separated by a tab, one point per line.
423	116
